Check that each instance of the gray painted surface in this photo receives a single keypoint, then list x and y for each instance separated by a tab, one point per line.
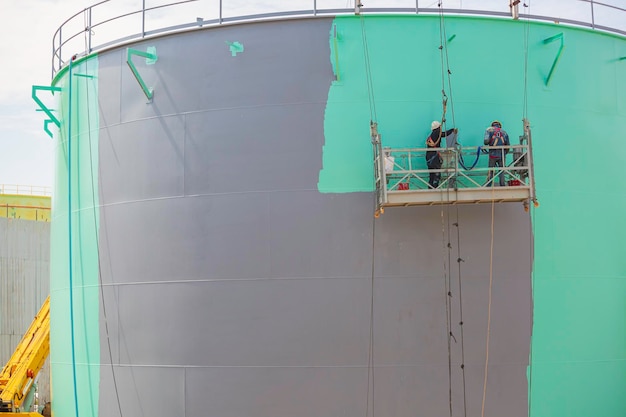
24	285
234	288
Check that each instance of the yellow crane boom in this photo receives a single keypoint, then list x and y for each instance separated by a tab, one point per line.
19	373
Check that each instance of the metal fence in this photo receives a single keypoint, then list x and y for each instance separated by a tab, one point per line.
112	22
34	190
466	167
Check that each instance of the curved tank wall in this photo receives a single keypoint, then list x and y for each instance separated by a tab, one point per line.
224	255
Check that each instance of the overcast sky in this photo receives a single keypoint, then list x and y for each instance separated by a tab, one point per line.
27	27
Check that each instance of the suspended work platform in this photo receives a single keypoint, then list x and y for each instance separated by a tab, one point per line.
402	176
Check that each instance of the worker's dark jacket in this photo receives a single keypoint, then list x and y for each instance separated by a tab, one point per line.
495	136
433	160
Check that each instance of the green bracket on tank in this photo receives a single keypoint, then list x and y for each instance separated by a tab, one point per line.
235	47
84	76
336	37
42	107
151	58
451	38
558	54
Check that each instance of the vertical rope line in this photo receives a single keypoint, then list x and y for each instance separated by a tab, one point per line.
370	355
461	322
532	298
373	118
443	82
446	287
493	204
526	36
447	247
93	204
444	45
531	229
69	228
368	72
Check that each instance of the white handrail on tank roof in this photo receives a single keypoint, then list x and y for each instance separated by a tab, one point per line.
86	31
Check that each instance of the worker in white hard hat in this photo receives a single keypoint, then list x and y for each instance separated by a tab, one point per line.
433	159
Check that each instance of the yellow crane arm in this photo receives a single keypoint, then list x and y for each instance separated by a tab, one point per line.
29	357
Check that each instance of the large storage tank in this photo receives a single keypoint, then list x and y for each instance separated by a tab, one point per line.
224	259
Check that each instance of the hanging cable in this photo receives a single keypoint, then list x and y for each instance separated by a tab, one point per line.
446	284
69	230
95	225
368	72
526	36
447	247
373	119
531	214
444	46
461	322
370	355
493	204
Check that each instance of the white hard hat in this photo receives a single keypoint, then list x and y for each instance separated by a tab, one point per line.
435	124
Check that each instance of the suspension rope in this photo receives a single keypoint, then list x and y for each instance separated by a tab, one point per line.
446	246
443	82
531	214
373	119
444	46
446	285
368	72
445	69
526	36
493	204
461	322
370	355
95	225
69	230
531	229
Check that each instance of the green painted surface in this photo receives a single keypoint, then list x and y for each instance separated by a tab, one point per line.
578	345
235	48
84	121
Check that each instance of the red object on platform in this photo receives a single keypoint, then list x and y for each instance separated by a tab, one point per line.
403	186
514	183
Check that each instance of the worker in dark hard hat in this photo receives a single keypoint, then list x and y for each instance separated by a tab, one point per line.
433	159
496	136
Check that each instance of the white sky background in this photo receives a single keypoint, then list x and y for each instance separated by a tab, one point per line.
27	27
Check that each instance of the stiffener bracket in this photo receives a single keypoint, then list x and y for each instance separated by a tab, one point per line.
151	58
558	54
42	107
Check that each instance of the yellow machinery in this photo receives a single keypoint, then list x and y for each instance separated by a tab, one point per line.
18	375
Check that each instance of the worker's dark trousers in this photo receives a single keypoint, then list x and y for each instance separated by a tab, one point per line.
434	177
433	181
495	162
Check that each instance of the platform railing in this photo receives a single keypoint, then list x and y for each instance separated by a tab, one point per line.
402	175
462	167
18	189
113	22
